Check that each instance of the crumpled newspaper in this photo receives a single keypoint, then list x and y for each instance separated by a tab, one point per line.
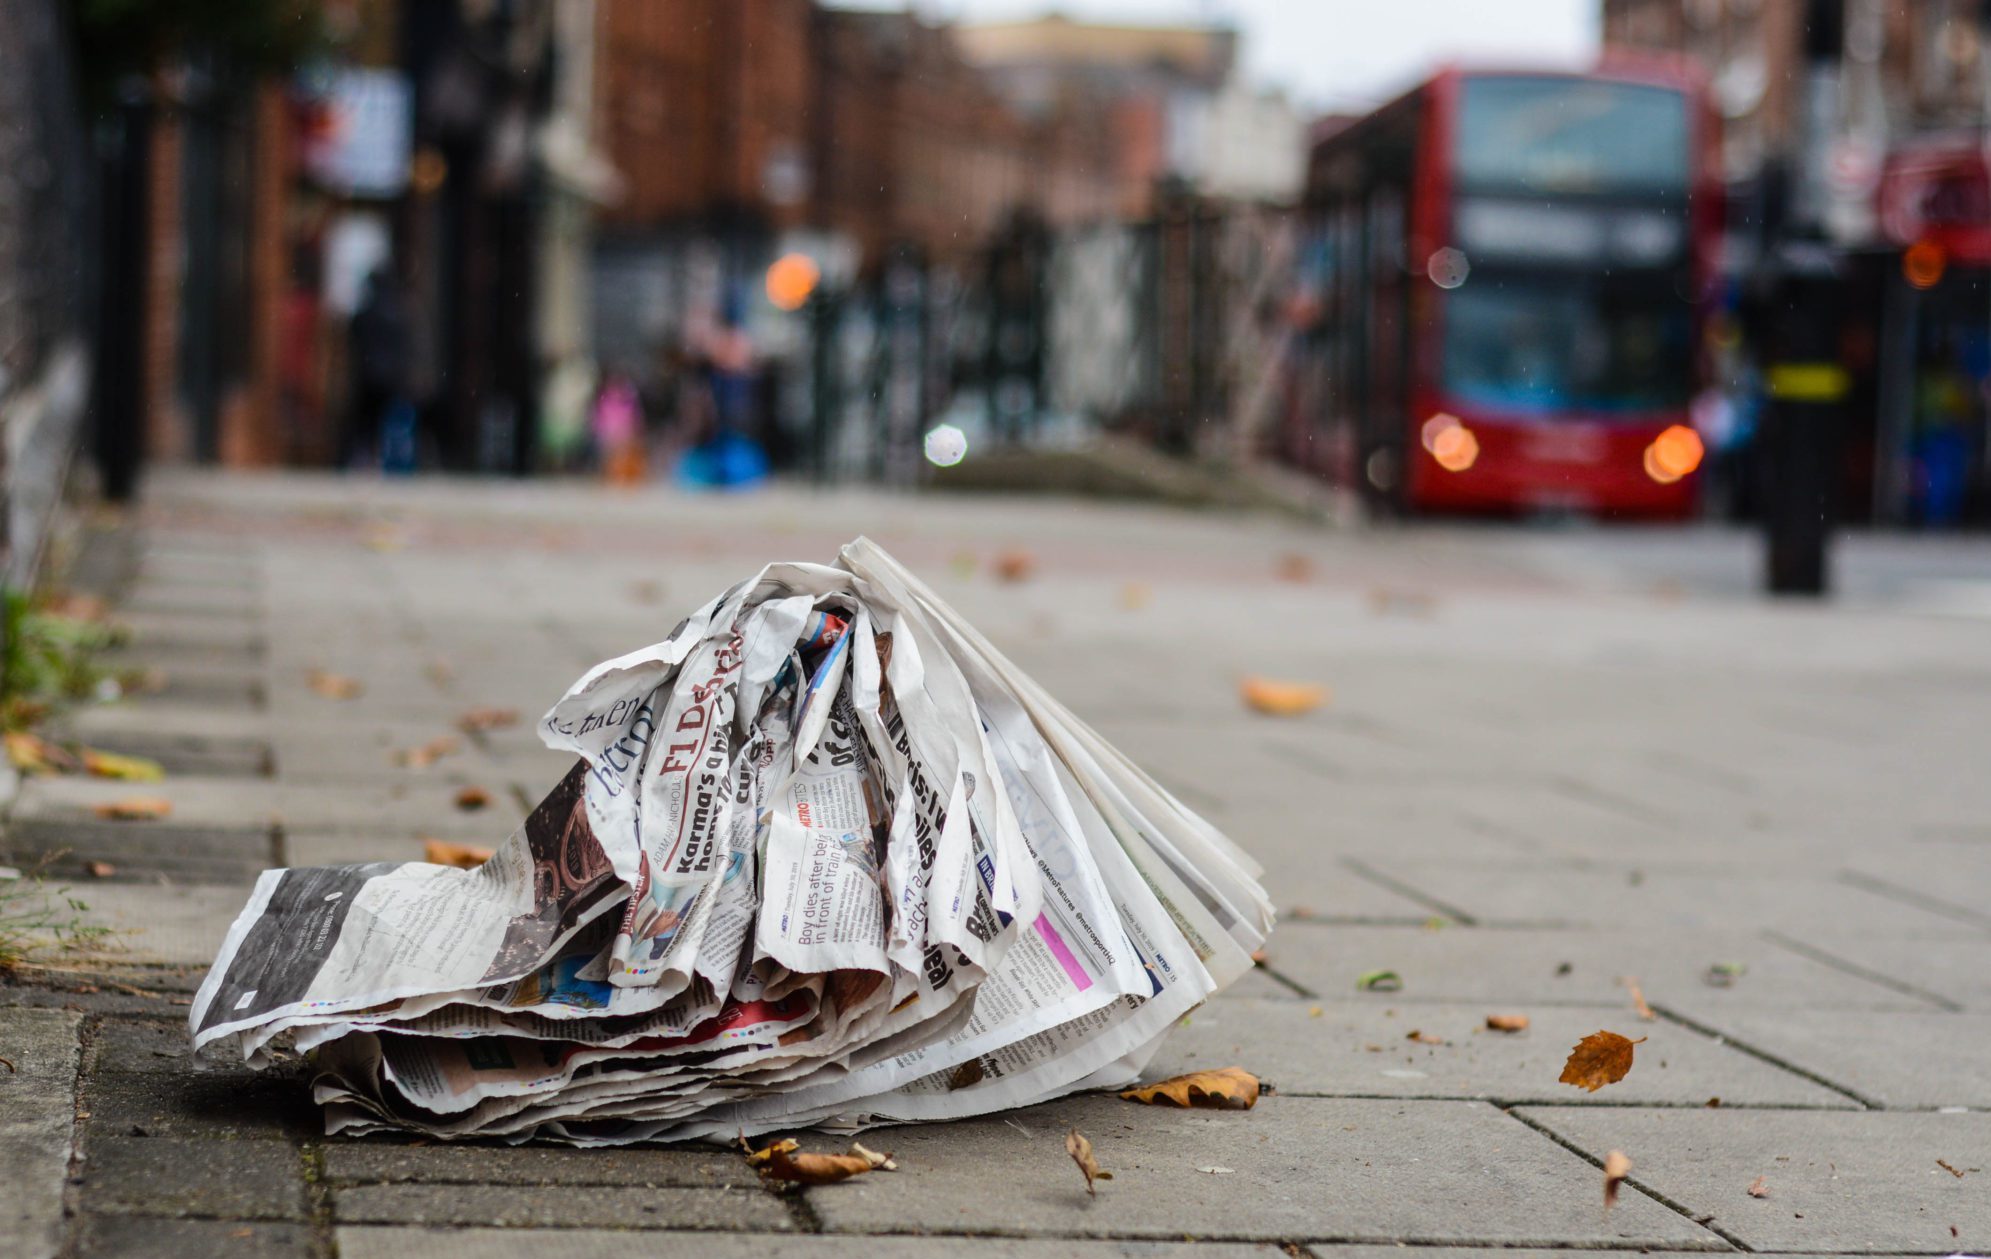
826	858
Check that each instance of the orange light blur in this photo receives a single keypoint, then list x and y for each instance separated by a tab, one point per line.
1923	263
1673	454
1455	448
790	280
1436	425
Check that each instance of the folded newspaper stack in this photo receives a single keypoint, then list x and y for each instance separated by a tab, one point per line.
827	859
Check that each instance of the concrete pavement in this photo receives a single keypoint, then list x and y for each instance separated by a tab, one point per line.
1552	760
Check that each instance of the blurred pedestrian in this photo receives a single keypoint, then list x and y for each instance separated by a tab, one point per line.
381	409
618	431
727	458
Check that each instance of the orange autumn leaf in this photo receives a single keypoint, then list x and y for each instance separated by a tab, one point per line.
470	799
1080	1149
127	768
1759	1188
1507	1022
1616	1168
1229	1088
333	685
428	753
32	754
1014	566
1598	1059
134	809
783	1163
440	852
1639	1006
480	719
1281	699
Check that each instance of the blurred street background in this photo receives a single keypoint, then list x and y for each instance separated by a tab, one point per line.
1623	259
1468	375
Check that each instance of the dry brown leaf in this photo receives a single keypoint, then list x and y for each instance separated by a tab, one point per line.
470	799
1081	1151
879	1162
757	1158
75	606
479	719
428	753
1014	565
1507	1022
100	869
134	809
135	769
1424	1038
333	685
1598	1059
1616	1168
811	1169
1759	1188
1281	699
1638	997
440	852
32	754
1228	1088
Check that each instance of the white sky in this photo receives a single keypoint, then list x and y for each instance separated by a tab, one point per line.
1338	54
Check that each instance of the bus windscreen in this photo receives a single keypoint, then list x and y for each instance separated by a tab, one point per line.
1564	344
1542	134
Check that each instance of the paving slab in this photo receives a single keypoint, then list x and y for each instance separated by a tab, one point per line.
1580	966
1301	1167
374	1162
151	1237
571	1206
485	1243
1838	1183
247	1180
88	850
261	1106
1904	1061
1541	895
1350	1048
180	924
37	1108
1955	967
145	1046
198	755
407	803
157	718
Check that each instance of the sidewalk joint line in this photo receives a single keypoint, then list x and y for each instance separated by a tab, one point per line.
1293	985
1854	969
1698	1221
1908	896
1667	1012
1368	872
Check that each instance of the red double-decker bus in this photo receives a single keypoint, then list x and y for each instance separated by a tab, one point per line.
1507	269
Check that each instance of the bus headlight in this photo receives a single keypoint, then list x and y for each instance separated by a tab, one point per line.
1450	442
1673	454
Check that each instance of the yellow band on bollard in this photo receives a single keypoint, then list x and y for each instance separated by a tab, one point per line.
1808	382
